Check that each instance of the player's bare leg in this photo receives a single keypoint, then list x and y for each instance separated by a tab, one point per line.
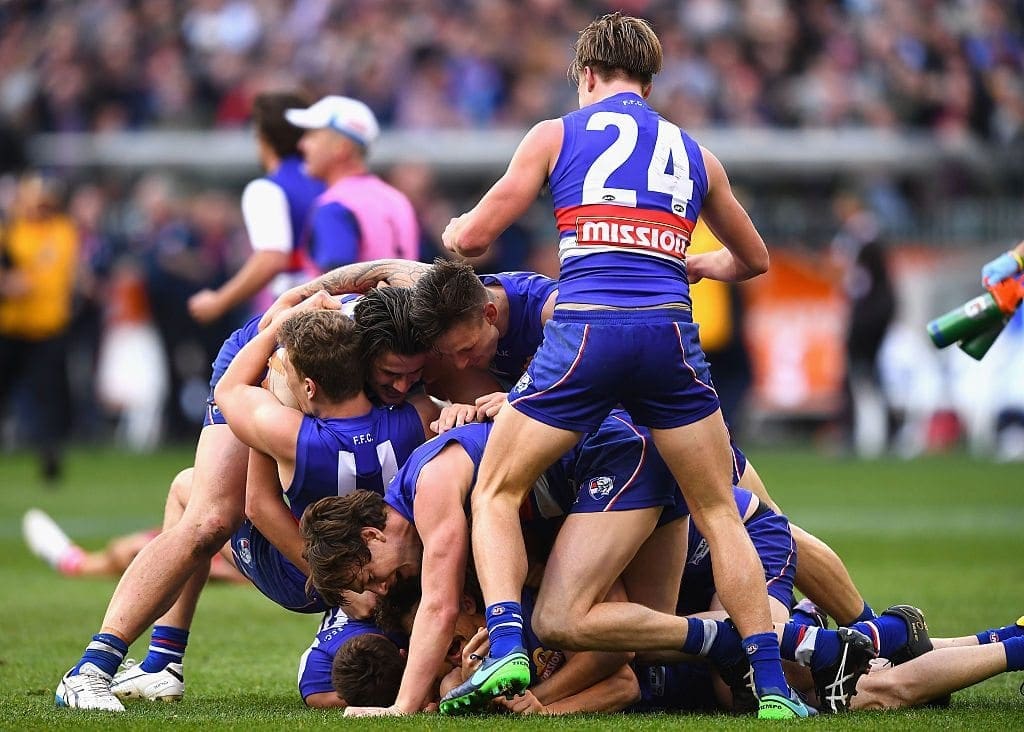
699	457
591	551
153	581
653	576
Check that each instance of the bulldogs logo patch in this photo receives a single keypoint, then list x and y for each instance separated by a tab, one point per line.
244	553
600	487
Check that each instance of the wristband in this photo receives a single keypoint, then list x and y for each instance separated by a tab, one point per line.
1018	259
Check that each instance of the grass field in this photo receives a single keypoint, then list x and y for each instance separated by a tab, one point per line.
944	533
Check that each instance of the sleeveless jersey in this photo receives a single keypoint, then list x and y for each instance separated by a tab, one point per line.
337	456
401	492
527	293
335	630
386	219
627	189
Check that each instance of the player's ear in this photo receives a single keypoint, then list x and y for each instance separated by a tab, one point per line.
370	533
491	313
645	90
310	388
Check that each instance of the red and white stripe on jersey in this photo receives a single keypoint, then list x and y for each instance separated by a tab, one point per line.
610	227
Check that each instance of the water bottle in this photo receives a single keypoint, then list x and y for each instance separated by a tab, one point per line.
974	318
978	346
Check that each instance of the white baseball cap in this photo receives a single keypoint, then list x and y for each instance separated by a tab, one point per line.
348	116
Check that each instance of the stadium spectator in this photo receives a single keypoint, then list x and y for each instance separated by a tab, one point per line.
947	65
359	217
38	263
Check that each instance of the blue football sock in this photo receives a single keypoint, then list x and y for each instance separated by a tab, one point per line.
714	639
888	633
998	635
1014	648
866	614
167	645
809	645
105	652
505	628
762	651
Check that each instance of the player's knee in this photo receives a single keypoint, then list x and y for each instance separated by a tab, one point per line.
555	629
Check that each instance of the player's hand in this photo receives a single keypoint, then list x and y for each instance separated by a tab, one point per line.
205	306
488	406
289	298
454	415
525	703
392	711
319	300
694	265
474	652
1003	267
450	235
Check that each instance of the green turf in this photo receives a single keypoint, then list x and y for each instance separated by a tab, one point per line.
944	533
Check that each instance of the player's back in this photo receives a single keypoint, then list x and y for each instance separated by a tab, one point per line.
627	189
401	491
334	457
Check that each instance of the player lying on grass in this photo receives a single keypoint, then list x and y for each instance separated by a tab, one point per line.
165	580
48	541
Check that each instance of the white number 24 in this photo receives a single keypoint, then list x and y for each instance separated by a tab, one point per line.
669	144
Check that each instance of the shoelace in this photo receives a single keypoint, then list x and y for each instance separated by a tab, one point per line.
95	684
128	663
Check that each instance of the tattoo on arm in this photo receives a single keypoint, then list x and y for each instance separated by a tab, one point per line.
363	276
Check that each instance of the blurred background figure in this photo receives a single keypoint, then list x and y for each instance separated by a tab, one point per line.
184	247
871	300
359	217
48	541
276	210
38	265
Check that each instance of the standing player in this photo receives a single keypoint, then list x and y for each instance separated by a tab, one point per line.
359	217
275	208
628	187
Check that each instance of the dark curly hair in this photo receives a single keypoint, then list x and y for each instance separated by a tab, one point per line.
335	549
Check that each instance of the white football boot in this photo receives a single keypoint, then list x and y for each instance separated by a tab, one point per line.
131	682
88	689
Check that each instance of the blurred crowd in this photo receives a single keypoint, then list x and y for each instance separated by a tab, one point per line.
952	66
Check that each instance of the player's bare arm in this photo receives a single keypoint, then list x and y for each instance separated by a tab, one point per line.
265	507
208	305
445	535
745	254
354	278
254	414
471	234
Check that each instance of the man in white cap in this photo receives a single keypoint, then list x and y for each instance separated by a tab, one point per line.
359	217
